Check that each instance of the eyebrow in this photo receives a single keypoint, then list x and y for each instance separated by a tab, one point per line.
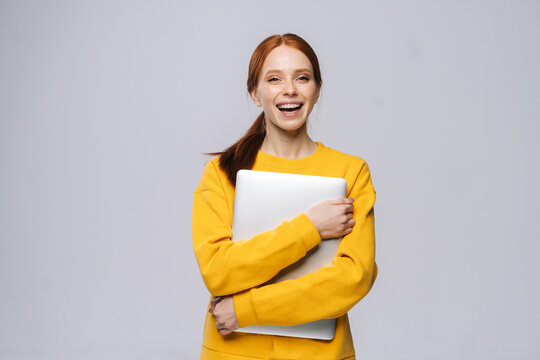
296	71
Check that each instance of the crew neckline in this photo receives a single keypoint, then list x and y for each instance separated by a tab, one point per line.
281	163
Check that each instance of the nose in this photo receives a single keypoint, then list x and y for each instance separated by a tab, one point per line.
289	88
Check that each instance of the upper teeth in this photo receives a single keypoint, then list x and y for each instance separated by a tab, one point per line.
288	106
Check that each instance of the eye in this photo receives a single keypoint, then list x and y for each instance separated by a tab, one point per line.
303	77
273	79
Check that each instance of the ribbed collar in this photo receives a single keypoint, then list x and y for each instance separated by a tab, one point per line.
284	163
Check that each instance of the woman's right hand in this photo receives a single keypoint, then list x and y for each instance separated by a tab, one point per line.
332	218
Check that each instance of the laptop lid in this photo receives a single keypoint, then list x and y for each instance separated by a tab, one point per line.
263	200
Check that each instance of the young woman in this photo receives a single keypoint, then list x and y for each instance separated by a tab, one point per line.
285	80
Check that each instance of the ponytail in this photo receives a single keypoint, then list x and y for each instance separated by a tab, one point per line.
242	154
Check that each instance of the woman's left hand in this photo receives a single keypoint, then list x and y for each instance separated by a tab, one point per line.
225	315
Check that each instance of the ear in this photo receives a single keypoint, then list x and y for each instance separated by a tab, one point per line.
317	94
255	98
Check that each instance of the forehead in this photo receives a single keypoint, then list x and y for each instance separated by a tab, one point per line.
287	59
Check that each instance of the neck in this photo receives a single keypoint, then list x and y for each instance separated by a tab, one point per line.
288	145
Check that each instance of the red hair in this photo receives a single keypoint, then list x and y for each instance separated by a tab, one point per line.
242	154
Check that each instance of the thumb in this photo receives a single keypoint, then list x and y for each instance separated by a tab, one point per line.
214	303
341	201
337	201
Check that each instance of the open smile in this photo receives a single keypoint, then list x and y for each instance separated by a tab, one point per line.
290	109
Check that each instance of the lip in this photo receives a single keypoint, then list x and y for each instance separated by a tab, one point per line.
290	114
289	102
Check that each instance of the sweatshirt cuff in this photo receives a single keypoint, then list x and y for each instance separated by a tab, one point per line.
244	310
308	232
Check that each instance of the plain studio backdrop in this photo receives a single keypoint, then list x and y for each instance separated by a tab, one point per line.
106	106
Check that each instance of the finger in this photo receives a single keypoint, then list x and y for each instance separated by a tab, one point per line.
339	201
344	219
217	300
214	302
347	209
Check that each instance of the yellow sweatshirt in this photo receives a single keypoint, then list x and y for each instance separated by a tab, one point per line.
241	267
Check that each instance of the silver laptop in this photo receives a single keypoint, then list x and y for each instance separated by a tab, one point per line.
263	200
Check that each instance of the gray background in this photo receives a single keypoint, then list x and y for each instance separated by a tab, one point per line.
105	107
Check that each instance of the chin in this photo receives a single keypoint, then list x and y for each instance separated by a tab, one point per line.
291	125
286	124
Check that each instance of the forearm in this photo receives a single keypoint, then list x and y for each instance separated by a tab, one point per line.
292	304
229	266
329	292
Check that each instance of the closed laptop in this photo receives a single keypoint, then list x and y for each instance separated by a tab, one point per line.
263	200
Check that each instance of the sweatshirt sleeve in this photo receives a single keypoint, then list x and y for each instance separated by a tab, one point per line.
330	291
227	266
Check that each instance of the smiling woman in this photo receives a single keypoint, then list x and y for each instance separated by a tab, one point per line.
284	79
288	89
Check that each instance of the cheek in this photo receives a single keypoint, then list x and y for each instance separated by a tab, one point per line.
269	96
311	92
269	90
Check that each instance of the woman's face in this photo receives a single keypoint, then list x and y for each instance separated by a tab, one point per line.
287	90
